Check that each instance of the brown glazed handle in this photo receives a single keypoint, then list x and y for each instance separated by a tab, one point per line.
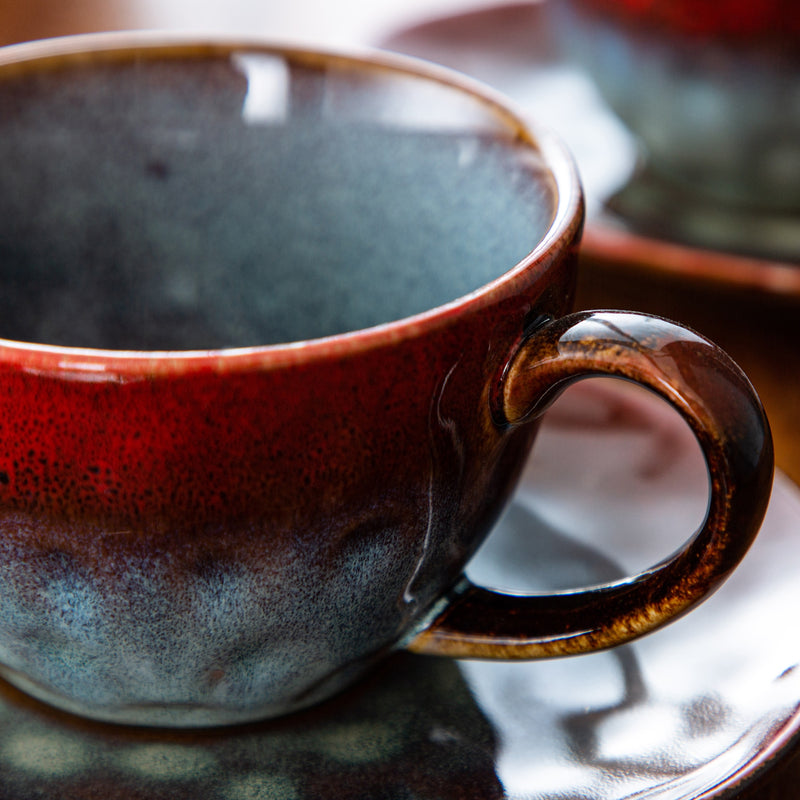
722	409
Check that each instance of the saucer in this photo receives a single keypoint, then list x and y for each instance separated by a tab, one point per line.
634	219
692	711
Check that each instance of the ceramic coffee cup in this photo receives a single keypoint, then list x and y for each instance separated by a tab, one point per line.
279	328
710	92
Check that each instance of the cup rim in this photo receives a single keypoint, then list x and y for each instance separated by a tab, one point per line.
102	364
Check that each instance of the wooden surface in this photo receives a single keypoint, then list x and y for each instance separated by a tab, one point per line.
760	332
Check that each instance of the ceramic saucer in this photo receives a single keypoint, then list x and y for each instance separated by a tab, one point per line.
635	220
689	712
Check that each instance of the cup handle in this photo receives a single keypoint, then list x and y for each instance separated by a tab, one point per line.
716	400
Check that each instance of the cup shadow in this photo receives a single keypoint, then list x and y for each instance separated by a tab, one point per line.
410	729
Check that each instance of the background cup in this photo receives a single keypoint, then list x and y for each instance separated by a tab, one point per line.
280	327
710	91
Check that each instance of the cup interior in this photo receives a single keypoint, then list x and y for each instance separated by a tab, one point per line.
179	199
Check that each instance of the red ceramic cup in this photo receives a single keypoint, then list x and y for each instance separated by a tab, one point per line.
279	328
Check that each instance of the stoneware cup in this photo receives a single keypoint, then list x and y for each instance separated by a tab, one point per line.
278	330
710	90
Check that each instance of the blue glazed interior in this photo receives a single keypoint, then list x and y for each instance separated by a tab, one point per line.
236	202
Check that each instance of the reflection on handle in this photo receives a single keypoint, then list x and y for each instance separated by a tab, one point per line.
721	407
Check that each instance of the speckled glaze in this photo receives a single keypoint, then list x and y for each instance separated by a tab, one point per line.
204	536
